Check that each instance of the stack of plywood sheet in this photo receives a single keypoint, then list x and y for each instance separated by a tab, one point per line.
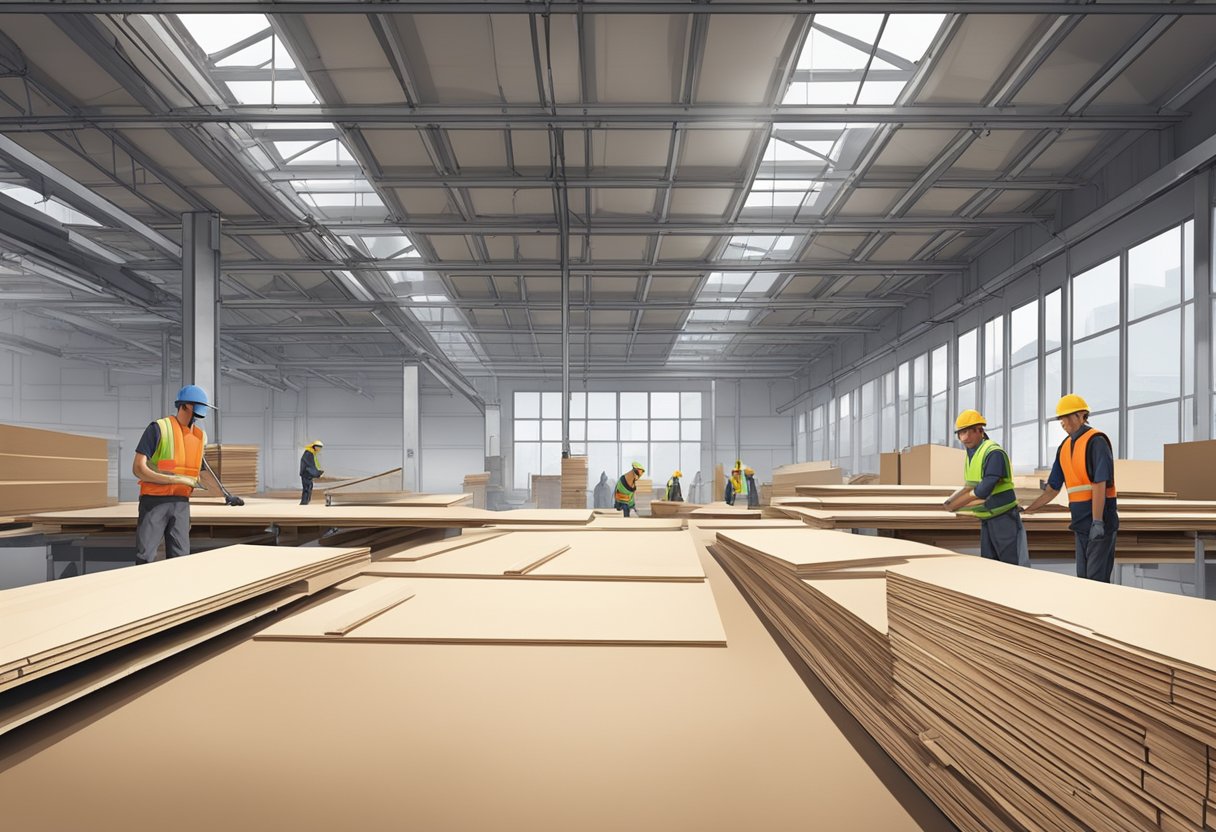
475	486
722	511
53	626
1078	705
671	508
546	491
235	465
395	498
932	465
574	482
644	495
787	478
719	483
44	470
825	594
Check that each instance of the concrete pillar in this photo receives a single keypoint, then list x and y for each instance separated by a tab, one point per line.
493	430
200	308
411	430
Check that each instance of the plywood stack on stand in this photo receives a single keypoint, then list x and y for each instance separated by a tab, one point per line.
787	478
235	465
574	482
644	495
475	485
44	469
547	491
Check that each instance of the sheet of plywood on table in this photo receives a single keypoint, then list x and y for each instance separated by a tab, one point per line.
722	511
396	498
671	508
659	556
806	551
664	740
51	626
613	523
464	611
713	523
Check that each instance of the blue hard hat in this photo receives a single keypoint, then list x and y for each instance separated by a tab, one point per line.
195	395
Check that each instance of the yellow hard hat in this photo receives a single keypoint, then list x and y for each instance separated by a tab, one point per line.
316	443
1072	403
678	474
638	467
749	471
969	419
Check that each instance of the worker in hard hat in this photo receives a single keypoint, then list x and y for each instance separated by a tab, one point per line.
1085	465
736	484
310	469
169	464
753	493
622	498
674	492
988	494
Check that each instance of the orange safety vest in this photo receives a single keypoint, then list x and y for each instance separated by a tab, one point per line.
624	491
1076	475
178	452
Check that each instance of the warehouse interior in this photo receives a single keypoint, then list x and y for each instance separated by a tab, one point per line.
631	347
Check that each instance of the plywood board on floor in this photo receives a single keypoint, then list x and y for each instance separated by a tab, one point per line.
476	611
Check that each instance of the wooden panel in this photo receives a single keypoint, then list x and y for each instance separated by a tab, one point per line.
36	496
19	440
27	467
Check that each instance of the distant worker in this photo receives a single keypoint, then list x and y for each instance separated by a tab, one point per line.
988	493
168	464
622	500
310	469
1085	464
753	493
602	497
674	493
736	484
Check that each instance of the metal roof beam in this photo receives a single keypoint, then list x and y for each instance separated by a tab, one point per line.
548	267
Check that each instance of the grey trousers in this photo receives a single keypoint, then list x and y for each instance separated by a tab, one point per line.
168	521
1096	558
1003	538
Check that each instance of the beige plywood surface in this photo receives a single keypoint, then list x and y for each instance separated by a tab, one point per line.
396	498
269	511
454	610
811	549
865	598
543	739
602	523
604	555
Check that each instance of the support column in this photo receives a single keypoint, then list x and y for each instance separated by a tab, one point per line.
411	427
158	408
1202	245
493	430
200	307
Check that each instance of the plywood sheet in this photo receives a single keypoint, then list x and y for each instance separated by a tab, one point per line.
810	550
475	611
395	498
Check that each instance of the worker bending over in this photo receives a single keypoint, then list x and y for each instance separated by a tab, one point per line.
622	500
674	492
988	493
1085	464
736	484
310	469
168	464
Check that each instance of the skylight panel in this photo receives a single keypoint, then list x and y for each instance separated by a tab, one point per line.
53	208
332	152
759	246
272	92
390	247
910	35
216	32
779	193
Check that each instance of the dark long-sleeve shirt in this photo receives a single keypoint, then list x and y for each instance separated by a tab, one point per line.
308	466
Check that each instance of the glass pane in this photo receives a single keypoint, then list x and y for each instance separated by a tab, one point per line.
966	396
690	465
527	405
1149	429
994	399
1108	423
1095	299
920	377
920	424
633	429
601	405
1153	362
1053	369
941	421
690	405
691	429
578	448
578	405
888	441
1024	392
551	405
1188	260
527	463
633	406
1188	349
1024	453
632	452
665	430
602	458
802	422
1024	332
551	429
527	430
905	391
664	460
578	433
551	454
1154	273
1052	320
940	381
994	345
601	429
664	405
1095	370
966	355
1188	419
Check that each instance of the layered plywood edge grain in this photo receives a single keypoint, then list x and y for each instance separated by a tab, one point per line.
396	498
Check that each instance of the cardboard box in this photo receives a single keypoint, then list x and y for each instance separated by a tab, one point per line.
1189	468
932	465
888	469
1140	475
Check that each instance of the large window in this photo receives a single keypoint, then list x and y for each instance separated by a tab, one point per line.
967	372
817	450
993	405
1096	312
889	435
660	430
1024	413
920	400
867	430
939	383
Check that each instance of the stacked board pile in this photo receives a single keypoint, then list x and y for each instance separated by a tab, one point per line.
787	478
45	470
825	594
574	482
546	491
1078	705
475	486
235	465
644	496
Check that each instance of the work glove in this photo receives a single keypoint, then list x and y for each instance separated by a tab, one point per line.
181	479
1097	531
233	500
